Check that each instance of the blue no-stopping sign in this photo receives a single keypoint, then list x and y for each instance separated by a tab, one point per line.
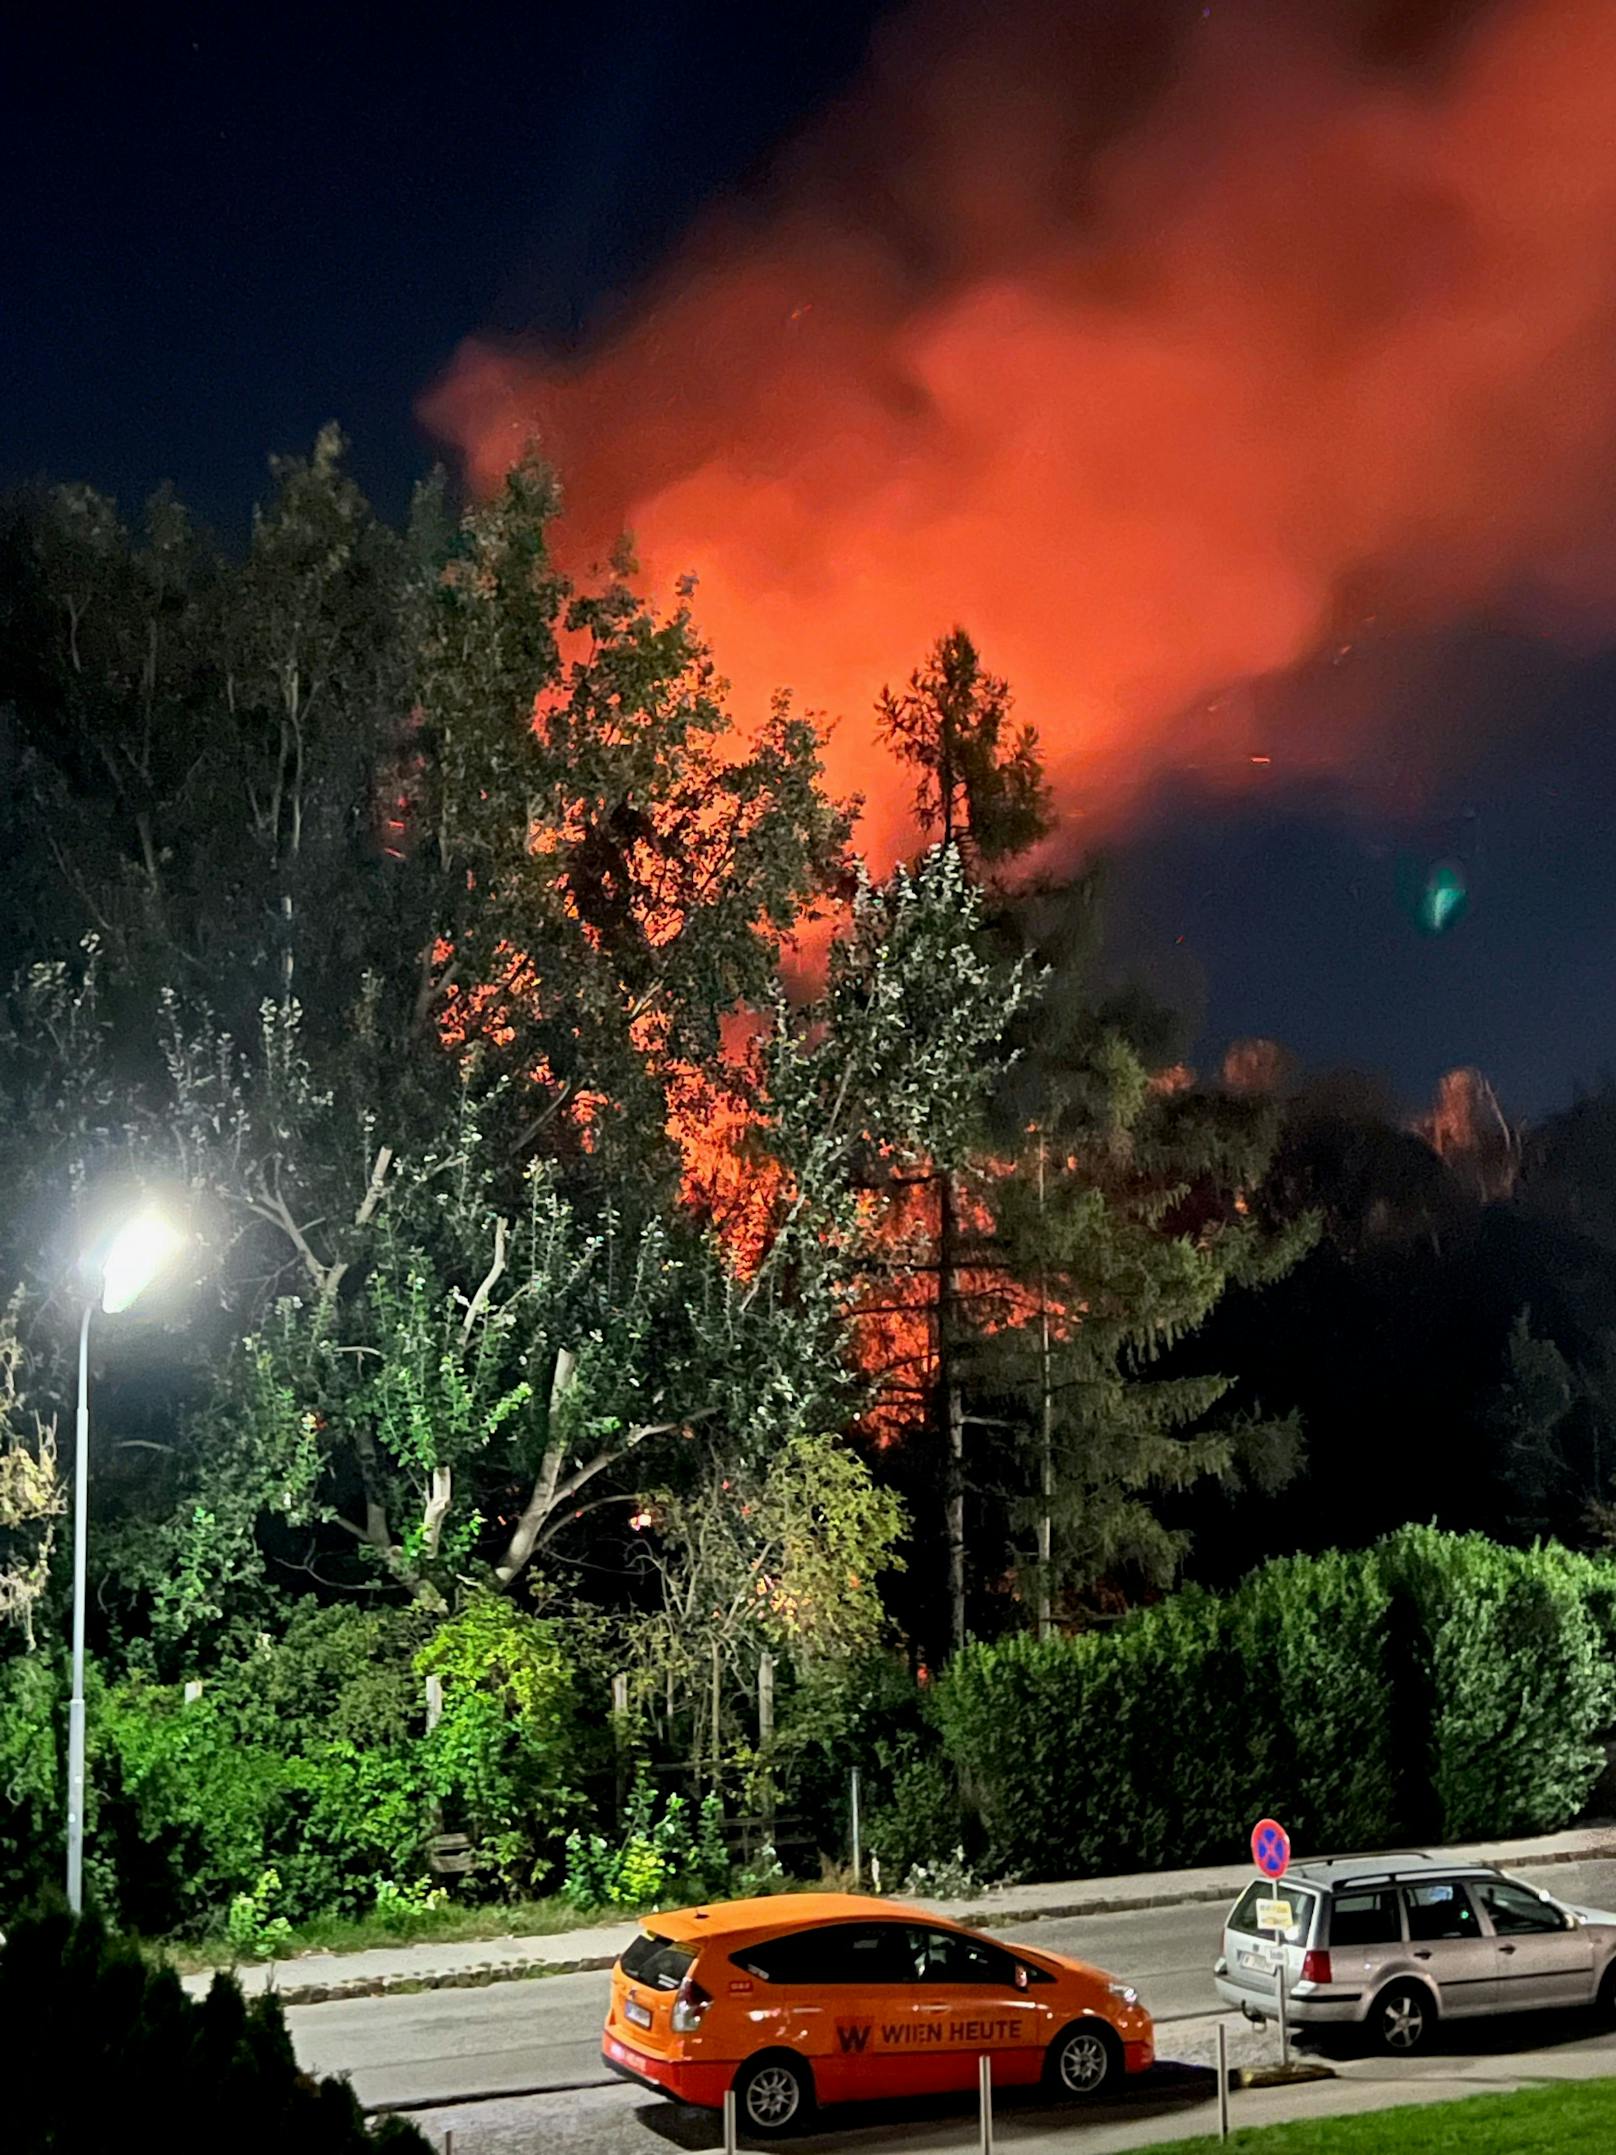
1270	1847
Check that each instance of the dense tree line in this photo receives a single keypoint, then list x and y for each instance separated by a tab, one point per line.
581	1281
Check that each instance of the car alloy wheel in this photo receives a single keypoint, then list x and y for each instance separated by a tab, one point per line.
1083	2061
773	2097
1403	2019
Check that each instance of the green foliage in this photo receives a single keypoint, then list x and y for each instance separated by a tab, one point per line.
916	1812
187	1810
503	1758
871	1712
33	1762
1130	1205
252	1929
110	2040
303	1758
784	1555
1160	1741
657	1856
1321	1625
352	1816
408	1910
1511	1666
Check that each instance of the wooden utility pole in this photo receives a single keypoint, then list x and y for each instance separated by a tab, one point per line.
953	1405
766	1737
620	1738
718	1710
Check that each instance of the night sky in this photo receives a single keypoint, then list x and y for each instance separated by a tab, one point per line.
226	226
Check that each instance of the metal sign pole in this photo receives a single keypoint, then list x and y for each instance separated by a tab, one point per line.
1271	1853
1223	2080
729	2121
984	2087
858	1867
1284	2031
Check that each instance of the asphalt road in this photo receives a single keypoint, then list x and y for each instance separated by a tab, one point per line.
439	2047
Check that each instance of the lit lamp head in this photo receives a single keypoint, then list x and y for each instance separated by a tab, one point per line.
140	1249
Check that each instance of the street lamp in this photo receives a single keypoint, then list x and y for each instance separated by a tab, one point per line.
132	1259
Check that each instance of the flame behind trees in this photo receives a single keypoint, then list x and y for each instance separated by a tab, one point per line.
437	908
457	916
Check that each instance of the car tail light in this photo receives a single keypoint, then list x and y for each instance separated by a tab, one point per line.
1316	1967
690	2007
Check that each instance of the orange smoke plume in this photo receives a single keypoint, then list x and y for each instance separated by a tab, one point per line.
1151	408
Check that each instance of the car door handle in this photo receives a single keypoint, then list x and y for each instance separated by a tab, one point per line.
1421	1954
1506	1949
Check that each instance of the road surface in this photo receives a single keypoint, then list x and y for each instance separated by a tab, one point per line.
535	2044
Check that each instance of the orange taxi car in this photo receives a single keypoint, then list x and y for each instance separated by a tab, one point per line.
819	1998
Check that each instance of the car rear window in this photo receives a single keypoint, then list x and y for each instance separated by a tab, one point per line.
657	1961
1370	1917
1303	1903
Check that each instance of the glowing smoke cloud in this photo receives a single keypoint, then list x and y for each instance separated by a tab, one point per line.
1149	412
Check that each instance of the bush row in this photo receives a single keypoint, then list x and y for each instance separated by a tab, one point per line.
302	1778
1436	1687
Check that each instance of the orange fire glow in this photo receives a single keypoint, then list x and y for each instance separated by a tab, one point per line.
1150	411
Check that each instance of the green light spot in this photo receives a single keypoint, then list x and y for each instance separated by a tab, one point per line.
1444	898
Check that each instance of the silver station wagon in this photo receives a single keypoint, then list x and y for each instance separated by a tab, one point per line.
1393	1944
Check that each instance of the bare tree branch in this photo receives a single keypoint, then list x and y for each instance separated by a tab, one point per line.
437	1508
550	1492
373	1190
490	1279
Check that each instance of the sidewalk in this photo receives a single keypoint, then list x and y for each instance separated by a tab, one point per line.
467	1964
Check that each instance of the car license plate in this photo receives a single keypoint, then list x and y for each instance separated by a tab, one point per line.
1259	1961
639	2014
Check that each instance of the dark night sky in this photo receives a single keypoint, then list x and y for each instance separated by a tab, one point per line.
228	225
225	226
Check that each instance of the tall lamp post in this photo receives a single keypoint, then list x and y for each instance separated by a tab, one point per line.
133	1258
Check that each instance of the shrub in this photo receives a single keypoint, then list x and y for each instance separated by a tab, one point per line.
917	1814
32	1687
336	1675
657	1859
1482	1673
113	2046
351	1817
872	1713
252	1928
1511	1660
186	1808
1320	1625
408	1910
507	1756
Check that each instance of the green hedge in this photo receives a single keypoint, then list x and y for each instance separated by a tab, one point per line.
1512	1677
1437	1686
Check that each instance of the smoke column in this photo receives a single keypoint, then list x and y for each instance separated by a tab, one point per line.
1158	383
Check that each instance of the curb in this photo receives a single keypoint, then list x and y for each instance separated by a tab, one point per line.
483	1973
477	1977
